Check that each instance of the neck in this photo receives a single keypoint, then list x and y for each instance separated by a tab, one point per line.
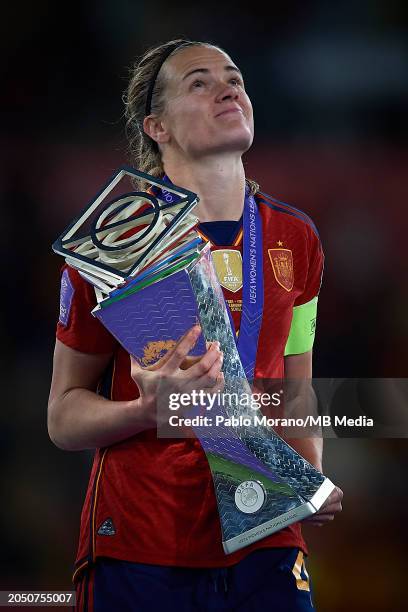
219	183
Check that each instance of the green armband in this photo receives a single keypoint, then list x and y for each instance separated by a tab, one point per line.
302	329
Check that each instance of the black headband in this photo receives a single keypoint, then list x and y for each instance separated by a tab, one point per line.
152	83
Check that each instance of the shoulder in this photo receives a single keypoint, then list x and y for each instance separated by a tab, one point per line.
77	327
286	214
75	290
72	274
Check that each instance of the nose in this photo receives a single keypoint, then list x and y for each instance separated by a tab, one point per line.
227	92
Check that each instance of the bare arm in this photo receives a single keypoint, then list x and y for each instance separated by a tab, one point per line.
78	418
299	368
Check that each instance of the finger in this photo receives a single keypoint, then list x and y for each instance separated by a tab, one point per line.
336	494
331	507
220	384
135	367
160	363
320	518
208	385
189	361
176	355
134	361
207	391
332	503
323	516
218	387
320	515
209	380
204	364
318	522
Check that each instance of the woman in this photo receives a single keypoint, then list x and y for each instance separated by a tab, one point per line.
150	533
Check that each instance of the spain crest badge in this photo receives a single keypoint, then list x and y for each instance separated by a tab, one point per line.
282	266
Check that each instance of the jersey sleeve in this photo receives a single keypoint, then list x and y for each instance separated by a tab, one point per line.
77	327
303	327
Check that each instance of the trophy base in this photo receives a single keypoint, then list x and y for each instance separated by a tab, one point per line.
283	520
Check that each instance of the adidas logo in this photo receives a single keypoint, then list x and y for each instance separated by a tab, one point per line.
107	528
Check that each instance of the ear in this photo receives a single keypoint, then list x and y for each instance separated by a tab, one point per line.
155	128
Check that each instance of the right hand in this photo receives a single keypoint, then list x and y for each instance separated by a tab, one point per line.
177	373
327	512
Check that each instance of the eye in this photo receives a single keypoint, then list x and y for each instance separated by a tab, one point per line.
197	84
236	81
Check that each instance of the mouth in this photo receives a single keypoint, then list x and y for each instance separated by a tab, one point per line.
229	111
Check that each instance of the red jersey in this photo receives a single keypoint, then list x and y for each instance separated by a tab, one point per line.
152	500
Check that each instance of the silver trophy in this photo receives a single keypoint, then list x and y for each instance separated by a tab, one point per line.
154	278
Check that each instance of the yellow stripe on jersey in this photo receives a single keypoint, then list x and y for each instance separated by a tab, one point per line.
202	236
93	510
301	583
238	239
302	329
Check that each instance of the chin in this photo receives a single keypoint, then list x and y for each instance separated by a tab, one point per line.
231	142
234	141
239	143
240	138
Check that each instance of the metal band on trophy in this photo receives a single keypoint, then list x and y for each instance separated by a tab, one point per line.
154	278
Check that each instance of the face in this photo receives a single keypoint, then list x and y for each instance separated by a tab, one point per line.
207	109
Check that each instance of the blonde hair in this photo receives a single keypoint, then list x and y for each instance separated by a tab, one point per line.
147	88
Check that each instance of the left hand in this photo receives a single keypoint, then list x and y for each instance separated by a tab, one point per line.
331	506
